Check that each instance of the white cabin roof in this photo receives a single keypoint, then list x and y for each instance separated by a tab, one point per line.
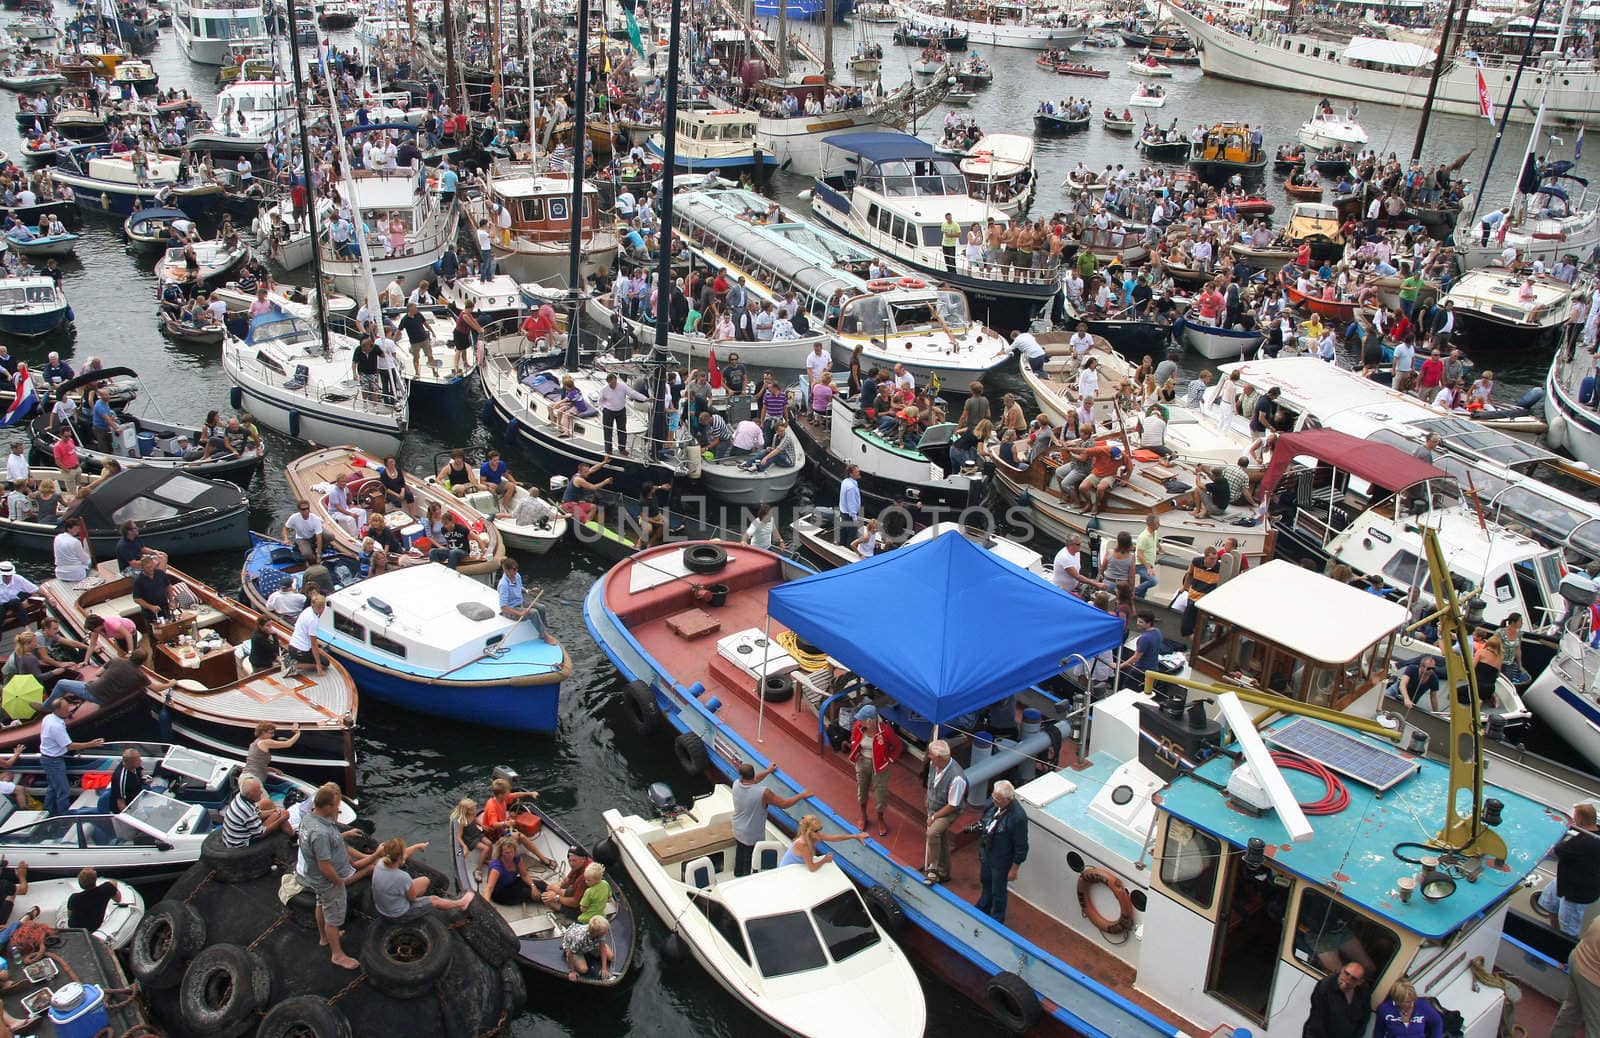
537	187
386	192
1291	605
999	155
425	600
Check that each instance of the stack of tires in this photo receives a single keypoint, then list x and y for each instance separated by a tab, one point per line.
222	957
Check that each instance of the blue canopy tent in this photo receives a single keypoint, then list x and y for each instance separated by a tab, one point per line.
944	627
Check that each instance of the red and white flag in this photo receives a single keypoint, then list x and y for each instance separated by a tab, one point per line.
1485	102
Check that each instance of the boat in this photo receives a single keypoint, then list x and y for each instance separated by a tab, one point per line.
50	896
1006	24
1115	123
180	513
757	935
890	191
974	73
38	245
29	78
978	956
1227	149
538	928
541	227
920	33
1057	124
959	98
820	534
432	640
250	110
531	539
379	200
148	228
208	30
1501	310
1068	68
298	383
154	838
1158	145
1308	192
1544	225
76	975
876	13
1055	391
1317	225
133	74
1329	129
1269	258
1000	171
1365	67
192	334
714	139
32	306
1339	311
337	14
893	468
142	441
217	261
106	182
1148	95
1149	67
218	697
310	475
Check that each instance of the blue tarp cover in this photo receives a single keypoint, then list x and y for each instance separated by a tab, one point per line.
881	147
944	627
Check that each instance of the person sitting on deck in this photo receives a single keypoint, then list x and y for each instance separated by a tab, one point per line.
581	940
396	894
250	815
518	605
566	893
507	880
86	909
1108	466
382	544
497	817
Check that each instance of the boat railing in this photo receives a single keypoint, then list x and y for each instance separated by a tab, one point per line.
985	271
430	243
343	394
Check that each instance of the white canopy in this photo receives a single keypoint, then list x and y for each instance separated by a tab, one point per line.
1387	52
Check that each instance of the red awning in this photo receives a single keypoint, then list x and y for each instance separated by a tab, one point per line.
1377	463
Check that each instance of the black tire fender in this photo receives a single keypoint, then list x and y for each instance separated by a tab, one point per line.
404	958
1012	1002
236	864
222	990
606	853
705	558
170	934
487	933
886	910
691	752
640	703
304	1016
777	688
513	989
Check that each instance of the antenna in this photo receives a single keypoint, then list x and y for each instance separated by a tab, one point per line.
1260	760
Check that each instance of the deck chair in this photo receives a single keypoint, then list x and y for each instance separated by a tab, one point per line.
302	375
700	874
767	855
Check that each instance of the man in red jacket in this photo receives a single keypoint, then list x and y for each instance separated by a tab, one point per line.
872	768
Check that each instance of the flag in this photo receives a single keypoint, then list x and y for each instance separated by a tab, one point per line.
1528	181
1577	146
634	39
716	372
26	398
1485	102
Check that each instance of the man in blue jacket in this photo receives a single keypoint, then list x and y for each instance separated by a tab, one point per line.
1002	847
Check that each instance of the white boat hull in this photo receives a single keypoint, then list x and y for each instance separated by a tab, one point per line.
1574	427
297	415
1020	37
1560	701
1219	343
789	354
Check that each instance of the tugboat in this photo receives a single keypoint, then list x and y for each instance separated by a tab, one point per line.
1228	149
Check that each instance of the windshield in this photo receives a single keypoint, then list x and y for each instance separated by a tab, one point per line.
785	944
845	926
865	315
953	308
157	812
914	315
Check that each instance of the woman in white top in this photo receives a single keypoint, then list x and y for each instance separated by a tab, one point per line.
73	560
867	545
762	531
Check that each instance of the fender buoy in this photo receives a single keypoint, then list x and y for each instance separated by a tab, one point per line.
691	752
1102	922
1012	1002
880	285
236	398
294	423
641	706
912	283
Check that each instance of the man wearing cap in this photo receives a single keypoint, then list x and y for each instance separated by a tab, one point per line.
874	747
1108	465
14	592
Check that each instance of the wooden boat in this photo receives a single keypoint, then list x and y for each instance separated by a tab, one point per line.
1054	124
534	539
1227	149
1306	192
219	698
539	929
1067	68
1056	391
1269	259
1255	205
1341	312
1114	123
310	474
194	335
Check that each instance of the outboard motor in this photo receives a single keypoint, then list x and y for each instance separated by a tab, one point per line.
1580	592
664	802
502	771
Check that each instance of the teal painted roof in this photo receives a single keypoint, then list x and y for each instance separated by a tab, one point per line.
1352	852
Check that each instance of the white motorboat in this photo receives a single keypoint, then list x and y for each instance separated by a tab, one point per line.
33	306
1499	310
1000	171
1018	25
1329	129
49	896
535	538
1150	68
293	381
402	229
797	946
822	538
1215	342
1149	95
207	30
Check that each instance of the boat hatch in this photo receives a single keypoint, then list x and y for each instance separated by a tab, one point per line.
199	767
787	943
475	611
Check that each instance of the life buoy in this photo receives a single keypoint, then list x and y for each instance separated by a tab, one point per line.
879	285
912	283
1102	922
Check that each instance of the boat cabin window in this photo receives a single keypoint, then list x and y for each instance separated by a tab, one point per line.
932	234
864	315
1249	934
723	922
533	210
785	944
913	315
845	926
143	510
953	308
348	625
1190	861
560	208
60	831
1225	649
1328	934
388	645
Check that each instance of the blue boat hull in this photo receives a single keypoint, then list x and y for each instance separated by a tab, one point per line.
107	201
517	708
32	326
700	165
806	10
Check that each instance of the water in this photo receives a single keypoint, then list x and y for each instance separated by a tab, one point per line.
414	769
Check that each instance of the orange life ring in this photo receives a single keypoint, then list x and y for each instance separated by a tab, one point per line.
1102	922
880	285
912	283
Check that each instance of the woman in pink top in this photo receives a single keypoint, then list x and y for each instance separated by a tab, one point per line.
114	632
397	236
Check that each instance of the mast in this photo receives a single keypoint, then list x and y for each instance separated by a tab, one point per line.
411	34
669	159
827	42
496	87
783	38
306	173
1433	81
450	55
1505	112
579	135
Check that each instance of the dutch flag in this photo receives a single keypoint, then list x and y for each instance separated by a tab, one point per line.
22	407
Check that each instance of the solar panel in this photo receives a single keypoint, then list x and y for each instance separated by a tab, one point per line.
1339	751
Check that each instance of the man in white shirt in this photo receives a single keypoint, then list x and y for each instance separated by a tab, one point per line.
1153	431
54	745
17	463
1066	569
613	401
304	531
73	560
1026	344
748	437
287	603
1081	341
14	592
904	379
303	646
337	501
817	362
394	293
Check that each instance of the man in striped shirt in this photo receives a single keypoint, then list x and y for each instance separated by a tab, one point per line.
246	819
